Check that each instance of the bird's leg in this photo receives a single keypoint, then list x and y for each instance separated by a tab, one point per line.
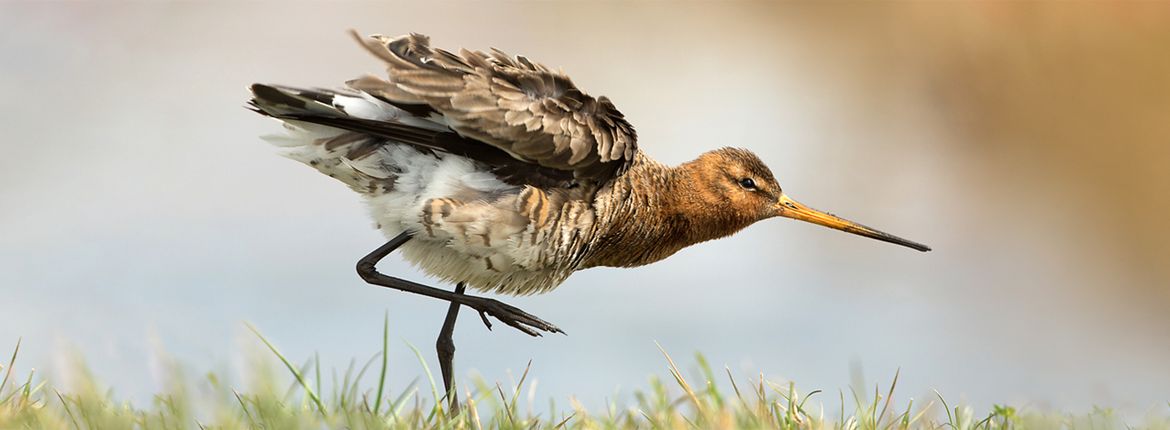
446	348
510	315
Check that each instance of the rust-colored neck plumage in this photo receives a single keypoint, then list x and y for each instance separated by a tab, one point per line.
653	211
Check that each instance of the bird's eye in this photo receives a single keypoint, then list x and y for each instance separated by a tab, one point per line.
747	183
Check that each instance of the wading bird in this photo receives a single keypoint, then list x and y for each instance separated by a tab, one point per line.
496	173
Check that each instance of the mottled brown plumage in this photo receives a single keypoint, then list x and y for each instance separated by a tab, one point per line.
655	210
522	107
497	173
576	190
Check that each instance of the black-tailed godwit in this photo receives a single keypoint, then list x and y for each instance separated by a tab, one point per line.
496	173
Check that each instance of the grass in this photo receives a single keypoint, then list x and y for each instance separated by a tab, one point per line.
274	402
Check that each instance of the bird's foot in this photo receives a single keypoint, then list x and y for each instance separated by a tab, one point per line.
510	315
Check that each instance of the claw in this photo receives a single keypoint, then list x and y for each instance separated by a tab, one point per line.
483	316
513	317
524	329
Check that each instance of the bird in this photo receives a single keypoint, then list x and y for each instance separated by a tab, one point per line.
496	173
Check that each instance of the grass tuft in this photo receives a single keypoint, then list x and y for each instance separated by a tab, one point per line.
696	403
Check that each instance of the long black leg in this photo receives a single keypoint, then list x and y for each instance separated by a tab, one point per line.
509	315
446	348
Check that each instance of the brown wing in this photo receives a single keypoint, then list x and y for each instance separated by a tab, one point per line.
533	113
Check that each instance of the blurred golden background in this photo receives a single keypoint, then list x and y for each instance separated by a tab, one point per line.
1027	142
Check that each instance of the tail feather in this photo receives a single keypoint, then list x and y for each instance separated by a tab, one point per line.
319	115
360	160
278	101
306	104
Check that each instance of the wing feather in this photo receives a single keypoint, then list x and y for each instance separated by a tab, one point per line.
522	107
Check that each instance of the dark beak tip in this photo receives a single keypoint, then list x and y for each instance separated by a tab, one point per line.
921	248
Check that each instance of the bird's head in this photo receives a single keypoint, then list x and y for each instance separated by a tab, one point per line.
734	189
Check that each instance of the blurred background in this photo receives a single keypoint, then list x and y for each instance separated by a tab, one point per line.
1028	143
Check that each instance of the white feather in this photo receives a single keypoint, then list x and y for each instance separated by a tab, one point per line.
483	242
366	106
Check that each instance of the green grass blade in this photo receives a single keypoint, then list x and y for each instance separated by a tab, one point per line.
385	355
68	411
430	378
889	397
396	406
11	363
519	386
353	388
296	373
950	418
317	369
682	382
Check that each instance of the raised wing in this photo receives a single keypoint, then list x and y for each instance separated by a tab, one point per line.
362	113
534	114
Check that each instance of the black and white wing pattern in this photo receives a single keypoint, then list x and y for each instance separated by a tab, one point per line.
532	113
492	162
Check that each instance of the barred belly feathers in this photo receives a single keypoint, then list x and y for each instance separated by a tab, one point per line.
468	225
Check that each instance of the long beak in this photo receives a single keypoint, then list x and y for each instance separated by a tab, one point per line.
789	208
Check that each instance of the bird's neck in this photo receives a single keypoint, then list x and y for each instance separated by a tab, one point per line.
656	210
